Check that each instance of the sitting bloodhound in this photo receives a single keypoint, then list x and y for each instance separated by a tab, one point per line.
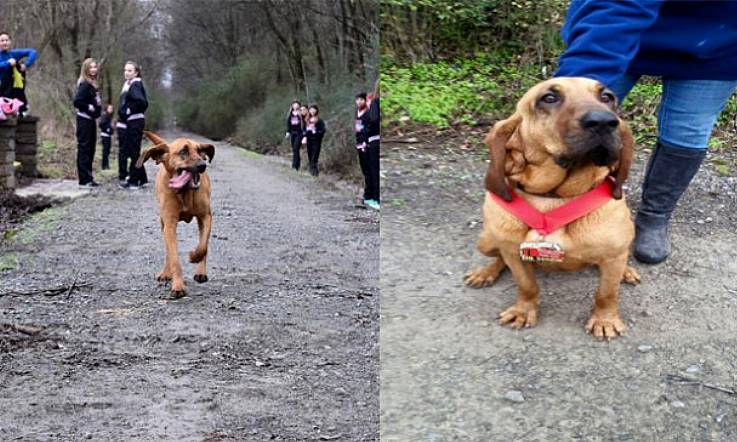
559	163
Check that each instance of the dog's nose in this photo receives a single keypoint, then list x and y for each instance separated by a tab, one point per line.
599	121
201	166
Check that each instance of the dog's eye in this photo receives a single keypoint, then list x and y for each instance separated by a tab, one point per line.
184	153
607	97
550	98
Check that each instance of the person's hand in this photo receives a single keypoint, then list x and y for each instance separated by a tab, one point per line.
304	140
12	61
91	107
22	67
286	136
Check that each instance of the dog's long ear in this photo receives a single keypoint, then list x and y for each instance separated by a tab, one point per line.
208	150
156	152
496	140
625	159
154	138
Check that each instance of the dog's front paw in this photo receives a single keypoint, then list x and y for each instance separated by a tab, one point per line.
200	277
605	325
177	288
163	276
519	315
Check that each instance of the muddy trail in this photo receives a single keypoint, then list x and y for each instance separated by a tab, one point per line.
280	344
450	372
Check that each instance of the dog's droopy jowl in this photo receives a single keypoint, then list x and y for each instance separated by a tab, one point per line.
183	192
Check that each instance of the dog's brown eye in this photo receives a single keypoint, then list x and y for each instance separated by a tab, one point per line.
550	98
607	97
184	153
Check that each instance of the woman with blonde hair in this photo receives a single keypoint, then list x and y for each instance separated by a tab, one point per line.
89	106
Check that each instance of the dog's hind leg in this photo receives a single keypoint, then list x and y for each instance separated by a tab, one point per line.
199	254
631	276
484	276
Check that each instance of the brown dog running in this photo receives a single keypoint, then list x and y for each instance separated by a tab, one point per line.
183	193
563	140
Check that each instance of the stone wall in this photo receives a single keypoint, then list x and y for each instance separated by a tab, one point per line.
26	142
7	153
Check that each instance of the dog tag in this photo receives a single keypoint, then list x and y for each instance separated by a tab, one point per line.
541	252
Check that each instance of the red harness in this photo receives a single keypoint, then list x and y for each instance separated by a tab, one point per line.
548	222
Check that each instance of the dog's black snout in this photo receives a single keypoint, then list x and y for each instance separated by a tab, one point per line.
201	166
599	121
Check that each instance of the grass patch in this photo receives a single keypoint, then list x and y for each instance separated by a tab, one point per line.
8	262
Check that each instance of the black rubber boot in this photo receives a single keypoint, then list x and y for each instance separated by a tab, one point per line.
668	174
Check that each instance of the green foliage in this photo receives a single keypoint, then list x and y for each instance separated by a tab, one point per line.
215	109
454	92
430	29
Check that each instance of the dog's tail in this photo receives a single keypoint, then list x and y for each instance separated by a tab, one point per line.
198	254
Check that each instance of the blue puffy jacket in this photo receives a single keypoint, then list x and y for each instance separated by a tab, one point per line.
674	39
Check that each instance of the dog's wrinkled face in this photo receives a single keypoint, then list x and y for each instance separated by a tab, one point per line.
560	125
582	115
183	159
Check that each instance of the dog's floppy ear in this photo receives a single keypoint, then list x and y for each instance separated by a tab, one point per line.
154	138
496	140
208	150
156	152
625	159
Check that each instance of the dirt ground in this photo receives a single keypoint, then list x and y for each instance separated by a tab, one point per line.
449	371
280	344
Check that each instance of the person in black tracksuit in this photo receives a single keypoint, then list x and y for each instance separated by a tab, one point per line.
372	150
122	129
106	134
89	105
314	132
295	126
367	151
133	104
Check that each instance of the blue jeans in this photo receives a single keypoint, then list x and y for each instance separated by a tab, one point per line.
688	108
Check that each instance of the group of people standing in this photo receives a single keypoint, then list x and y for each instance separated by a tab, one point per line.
305	127
368	131
132	106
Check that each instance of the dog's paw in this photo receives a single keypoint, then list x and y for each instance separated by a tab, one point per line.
605	325
200	277
519	315
177	289
631	276
484	276
163	276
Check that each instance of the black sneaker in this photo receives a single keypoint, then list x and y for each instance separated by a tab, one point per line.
89	185
123	184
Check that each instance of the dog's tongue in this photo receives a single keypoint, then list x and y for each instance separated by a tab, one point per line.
181	180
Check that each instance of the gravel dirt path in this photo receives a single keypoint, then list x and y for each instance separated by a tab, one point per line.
280	344
449	371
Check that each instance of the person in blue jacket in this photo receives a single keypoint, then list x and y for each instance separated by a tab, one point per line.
12	64
692	46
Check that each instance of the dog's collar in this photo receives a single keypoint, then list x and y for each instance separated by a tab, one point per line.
548	222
